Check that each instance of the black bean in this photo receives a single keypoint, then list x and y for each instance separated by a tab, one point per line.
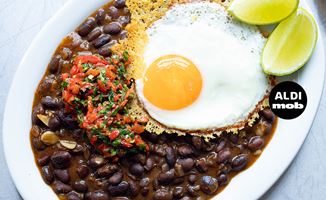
51	102
268	115
160	161
66	53
44	160
144	191
223	155
123	35
201	165
39	109
120	189
163	139
126	11
185	198
239	162
120	198
144	182
100	16
208	147
170	156
262	128
78	134
107	170
86	27
186	163
178	192
80	186
233	138
116	178
192	178
61	159
139	158
165	167
61	188
73	196
222	179
106	49
102	40
209	185
220	145
185	150
149	164
82	171
46	84
68	121
76	44
163	194
36	131
54	64
47	174
166	177
160	150
155	184
255	143
113	12
212	158
120	3
87	152
96	162
197	142
97	195
62	175
38	144
134	187
54	123
193	190
178	170
78	149
94	34
124	20
63	132
178	180
113	28
136	169
152	137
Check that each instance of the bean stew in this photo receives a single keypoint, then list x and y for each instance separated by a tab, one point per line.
163	167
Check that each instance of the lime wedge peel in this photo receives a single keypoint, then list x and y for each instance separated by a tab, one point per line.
262	12
291	44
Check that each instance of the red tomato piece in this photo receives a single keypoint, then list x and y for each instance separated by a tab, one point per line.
137	128
114	134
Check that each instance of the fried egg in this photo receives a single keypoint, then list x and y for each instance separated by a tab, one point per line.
202	69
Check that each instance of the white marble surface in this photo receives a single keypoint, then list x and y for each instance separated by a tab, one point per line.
20	21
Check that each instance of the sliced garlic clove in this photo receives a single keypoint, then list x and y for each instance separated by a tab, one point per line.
44	118
49	138
68	144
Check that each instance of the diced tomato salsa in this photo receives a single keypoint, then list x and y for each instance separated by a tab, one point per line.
97	91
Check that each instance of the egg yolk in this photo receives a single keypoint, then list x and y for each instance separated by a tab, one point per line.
172	82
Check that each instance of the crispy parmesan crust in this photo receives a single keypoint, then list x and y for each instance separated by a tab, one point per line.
143	14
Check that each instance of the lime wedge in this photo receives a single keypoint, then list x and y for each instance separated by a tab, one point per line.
262	12
291	44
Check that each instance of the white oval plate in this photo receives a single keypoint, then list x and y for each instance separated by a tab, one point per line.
250	184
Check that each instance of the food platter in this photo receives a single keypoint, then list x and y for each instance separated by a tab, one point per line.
250	184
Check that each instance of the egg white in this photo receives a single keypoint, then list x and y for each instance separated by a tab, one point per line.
227	54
